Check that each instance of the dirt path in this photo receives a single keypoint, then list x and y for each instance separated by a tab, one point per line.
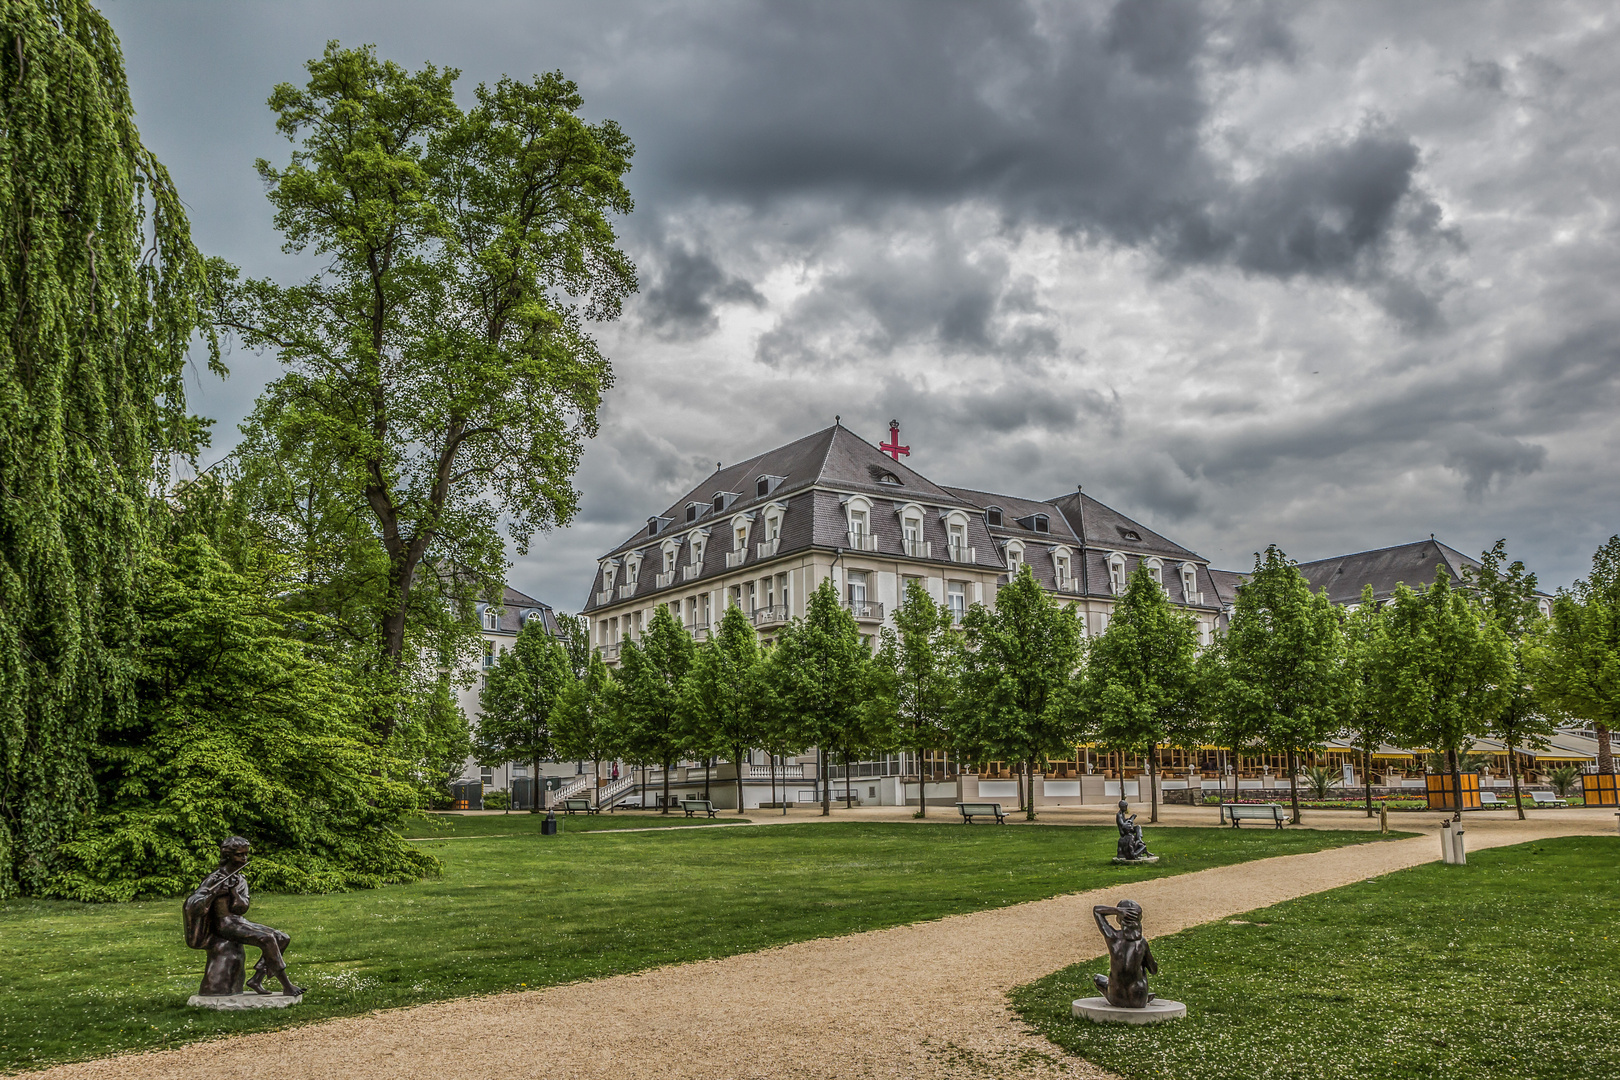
926	1000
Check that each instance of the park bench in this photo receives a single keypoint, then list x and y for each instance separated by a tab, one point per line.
695	806
574	806
1238	812
970	810
1488	798
1546	798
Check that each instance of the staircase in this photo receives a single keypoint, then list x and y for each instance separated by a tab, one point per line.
616	790
571	789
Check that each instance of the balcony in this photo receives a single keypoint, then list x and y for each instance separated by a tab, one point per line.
610	652
783	772
959	554
736	558
699	630
664	579
627	590
605	596
690	571
767	548
770	615
865	610
918	549
861	541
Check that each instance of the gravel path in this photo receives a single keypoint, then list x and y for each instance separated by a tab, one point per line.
918	1001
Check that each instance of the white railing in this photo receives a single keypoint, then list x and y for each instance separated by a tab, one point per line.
919	549
664	580
615	788
862	541
571	789
735	559
963	554
783	772
690	571
627	591
766	548
605	596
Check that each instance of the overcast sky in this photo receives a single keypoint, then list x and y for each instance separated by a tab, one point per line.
1333	276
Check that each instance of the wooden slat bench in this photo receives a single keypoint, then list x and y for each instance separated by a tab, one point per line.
970	810
697	806
1238	812
575	806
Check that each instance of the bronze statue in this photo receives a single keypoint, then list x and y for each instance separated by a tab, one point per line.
1125	985
1132	848
214	921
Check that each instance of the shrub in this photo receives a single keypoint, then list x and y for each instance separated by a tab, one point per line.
497	800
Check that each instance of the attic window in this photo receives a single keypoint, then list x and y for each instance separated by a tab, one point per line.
1040	523
719	503
691	511
888	478
763	488
1127	534
882	476
1035	523
992	515
652	526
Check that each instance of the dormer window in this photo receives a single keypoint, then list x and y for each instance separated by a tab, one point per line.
719	503
692	511
724	499
1189	583
889	478
739	536
1127	534
697	550
765	485
1035	523
859	522
1155	571
492	618
652	526
1116	573
1060	568
607	574
669	558
1015	559
992	516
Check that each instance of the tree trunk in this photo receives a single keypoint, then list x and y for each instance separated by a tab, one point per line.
667	765
849	792
1029	771
1605	750
596	782
1366	771
736	757
707	769
922	787
1153	782
1237	767
1513	775
534	790
1293	784
826	783
1456	784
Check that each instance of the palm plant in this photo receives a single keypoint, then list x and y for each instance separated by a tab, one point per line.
1319	778
1562	779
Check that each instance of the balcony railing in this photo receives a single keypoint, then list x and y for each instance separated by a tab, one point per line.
767	548
735	559
862	541
770	615
919	549
963	554
690	571
627	590
783	772
697	629
865	610
611	651
664	580
605	596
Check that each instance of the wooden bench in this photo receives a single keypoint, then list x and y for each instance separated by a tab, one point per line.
1546	798
574	806
696	806
970	810
1238	812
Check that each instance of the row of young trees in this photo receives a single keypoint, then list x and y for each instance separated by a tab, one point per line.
1436	667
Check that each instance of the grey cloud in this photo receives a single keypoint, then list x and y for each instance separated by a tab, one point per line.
1481	457
691	286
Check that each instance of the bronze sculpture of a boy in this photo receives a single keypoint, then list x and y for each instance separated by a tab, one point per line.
214	920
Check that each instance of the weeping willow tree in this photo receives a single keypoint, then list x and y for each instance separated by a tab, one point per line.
100	294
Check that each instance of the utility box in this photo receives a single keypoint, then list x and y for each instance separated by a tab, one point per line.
1443	797
467	795
1600	789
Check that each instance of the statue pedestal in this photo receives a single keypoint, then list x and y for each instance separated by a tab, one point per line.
237	1002
1157	1011
1135	862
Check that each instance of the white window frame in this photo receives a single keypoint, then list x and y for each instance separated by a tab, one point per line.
1117	576
1015	558
1062	567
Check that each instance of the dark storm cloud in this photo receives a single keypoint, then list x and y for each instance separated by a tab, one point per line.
690	287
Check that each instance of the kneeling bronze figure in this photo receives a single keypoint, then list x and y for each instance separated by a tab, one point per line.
214	922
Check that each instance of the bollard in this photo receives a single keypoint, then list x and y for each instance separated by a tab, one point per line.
1447	852
1459	855
1383	818
548	827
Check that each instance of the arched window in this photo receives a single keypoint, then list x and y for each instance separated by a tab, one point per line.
858	515
1015	559
492	618
1155	571
1116	573
1061	568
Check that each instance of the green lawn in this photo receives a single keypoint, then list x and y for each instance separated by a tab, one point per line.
517	911
523	823
1505	968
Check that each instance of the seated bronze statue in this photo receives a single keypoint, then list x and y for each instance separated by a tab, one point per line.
214	921
1131	845
1130	961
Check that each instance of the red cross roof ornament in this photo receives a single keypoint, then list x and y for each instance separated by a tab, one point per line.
893	447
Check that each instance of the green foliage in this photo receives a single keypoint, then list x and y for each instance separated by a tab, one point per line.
1576	661
1563	779
1018	700
582	723
497	800
1282	669
100	292
720	696
917	674
520	695
1320	780
237	729
1360	716
647	705
1140	685
440	376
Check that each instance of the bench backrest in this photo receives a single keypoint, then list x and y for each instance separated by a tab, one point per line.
979	807
1543	796
695	802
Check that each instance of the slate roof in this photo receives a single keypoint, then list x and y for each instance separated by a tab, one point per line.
1414	565
515	606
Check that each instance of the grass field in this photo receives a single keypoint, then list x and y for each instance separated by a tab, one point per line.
523	823
1504	968
519	911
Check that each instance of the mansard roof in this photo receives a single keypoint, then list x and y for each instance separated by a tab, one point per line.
1414	565
515	605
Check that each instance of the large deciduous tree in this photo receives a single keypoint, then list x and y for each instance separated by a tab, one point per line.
921	660
1141	677
1282	653
440	373
1018	699
720	695
648	701
1577	667
100	293
582	726
518	700
1361	716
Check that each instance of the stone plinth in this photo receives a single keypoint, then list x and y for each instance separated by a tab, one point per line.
1157	1011
237	1002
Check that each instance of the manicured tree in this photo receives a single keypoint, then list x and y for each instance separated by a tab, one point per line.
719	696
1577	665
919	669
819	682
1017	699
1140	683
1359	712
519	698
1441	671
649	679
100	291
1508	595
1283	663
582	723
441	377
